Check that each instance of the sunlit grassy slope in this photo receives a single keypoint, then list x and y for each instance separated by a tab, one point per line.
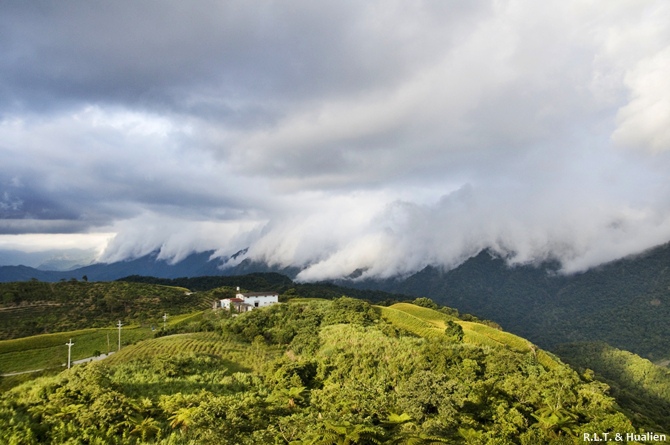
427	322
200	342
239	356
49	350
33	308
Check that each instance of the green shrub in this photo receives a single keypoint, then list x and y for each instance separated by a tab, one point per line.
350	311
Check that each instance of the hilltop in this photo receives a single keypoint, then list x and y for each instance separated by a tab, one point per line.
319	371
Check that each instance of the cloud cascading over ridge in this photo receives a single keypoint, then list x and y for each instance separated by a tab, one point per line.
339	136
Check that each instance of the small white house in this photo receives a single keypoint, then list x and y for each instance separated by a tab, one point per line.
248	301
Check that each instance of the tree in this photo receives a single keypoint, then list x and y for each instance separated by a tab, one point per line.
556	420
425	302
454	331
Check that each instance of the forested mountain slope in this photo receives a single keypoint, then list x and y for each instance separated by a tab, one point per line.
640	387
625	303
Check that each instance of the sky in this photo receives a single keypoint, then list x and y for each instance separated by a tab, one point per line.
336	136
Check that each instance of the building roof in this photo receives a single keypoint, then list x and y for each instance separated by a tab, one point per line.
259	294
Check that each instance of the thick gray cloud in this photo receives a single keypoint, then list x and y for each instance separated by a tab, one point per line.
381	136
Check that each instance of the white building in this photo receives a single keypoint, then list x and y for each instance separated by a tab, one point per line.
248	301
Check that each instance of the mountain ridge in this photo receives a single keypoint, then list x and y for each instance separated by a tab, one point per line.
195	264
623	303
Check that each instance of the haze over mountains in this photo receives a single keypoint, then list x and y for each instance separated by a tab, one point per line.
209	263
624	303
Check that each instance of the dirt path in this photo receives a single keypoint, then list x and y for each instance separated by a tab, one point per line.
74	362
28	306
9	374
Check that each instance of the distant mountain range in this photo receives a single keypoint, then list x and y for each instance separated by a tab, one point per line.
625	303
61	259
195	265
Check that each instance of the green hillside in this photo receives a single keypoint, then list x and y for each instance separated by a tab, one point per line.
315	371
48	351
625	303
30	308
273	282
427	322
640	387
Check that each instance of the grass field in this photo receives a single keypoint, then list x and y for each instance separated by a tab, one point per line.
409	322
199	342
431	316
427	322
240	356
49	350
503	338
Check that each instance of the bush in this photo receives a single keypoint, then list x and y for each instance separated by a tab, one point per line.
454	331
425	302
351	311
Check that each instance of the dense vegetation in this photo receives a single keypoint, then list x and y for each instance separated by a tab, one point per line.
265	281
317	372
625	304
34	307
271	281
640	387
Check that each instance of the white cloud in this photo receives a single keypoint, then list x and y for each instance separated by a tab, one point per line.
37	242
378	136
645	121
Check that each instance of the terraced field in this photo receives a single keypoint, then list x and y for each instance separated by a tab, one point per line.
241	357
409	322
431	316
427	322
199	342
503	338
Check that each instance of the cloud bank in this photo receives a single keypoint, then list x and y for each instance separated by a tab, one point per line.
338	136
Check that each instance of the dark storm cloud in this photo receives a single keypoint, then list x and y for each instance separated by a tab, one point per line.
95	167
380	135
187	56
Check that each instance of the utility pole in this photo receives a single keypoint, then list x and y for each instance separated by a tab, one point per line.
164	320
119	324
69	353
